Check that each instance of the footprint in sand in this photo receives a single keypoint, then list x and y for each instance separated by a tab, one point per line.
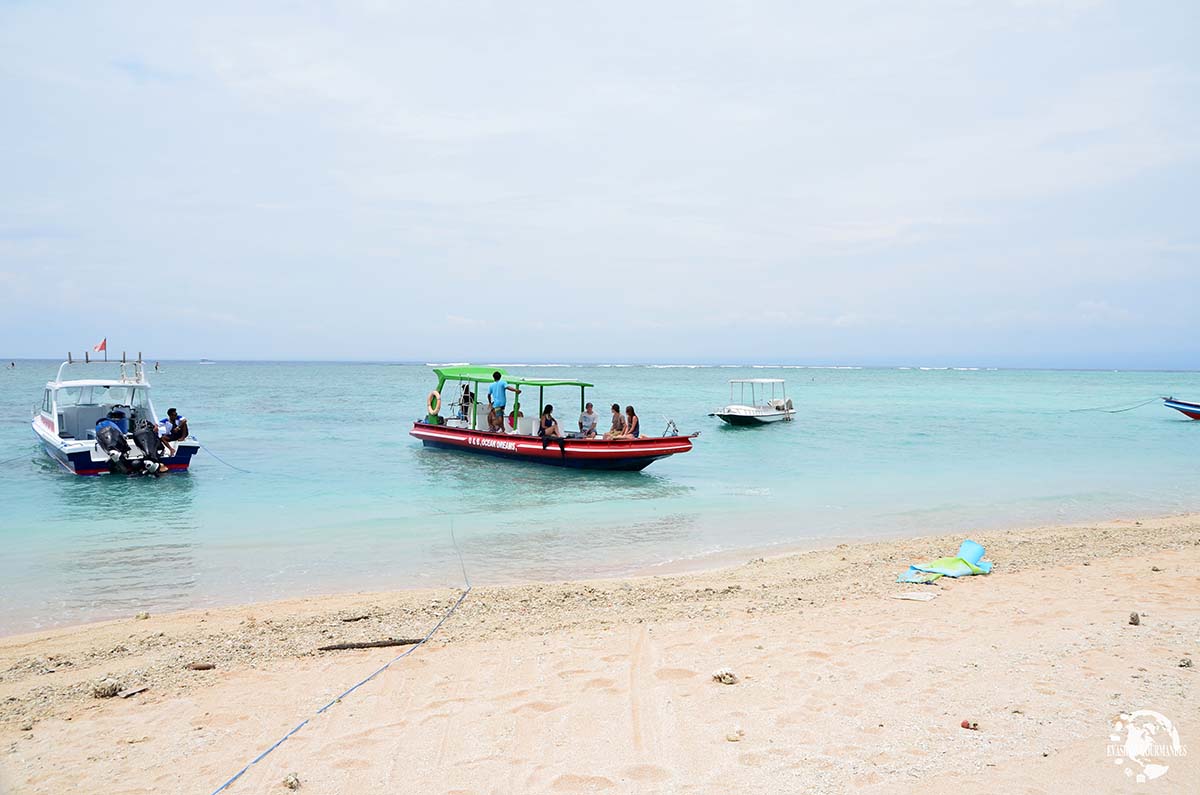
572	672
647	773
674	673
435	716
538	706
513	695
443	702
598	684
350	764
570	782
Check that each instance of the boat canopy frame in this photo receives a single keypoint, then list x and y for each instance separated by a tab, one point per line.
757	382
127	372
480	374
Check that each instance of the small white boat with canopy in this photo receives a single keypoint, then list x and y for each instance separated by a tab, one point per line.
760	409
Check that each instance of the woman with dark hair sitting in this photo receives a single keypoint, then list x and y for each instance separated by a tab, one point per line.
618	423
632	426
548	429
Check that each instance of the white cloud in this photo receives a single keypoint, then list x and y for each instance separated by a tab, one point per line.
866	179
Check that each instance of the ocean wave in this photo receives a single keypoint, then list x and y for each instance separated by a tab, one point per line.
447	364
805	367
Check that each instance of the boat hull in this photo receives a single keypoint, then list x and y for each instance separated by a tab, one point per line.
82	457
1189	410
626	455
751	419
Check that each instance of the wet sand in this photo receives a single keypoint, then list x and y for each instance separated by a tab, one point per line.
606	686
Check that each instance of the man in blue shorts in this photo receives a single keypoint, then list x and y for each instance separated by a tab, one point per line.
498	399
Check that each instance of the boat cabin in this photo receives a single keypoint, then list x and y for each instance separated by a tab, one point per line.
73	407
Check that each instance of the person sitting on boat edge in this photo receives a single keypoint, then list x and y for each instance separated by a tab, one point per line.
548	429
587	422
618	423
633	426
498	398
172	428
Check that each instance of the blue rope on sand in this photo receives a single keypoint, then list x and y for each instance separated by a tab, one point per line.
376	673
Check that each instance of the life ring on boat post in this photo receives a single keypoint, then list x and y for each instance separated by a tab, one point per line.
434	404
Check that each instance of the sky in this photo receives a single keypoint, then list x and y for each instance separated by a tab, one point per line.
995	183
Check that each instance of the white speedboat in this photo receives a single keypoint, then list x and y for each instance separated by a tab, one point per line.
760	410
69	419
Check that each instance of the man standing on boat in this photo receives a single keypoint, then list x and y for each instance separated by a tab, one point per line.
498	396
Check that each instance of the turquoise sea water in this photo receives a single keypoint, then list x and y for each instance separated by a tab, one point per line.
341	498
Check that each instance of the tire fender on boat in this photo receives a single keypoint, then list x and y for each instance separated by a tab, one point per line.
434	403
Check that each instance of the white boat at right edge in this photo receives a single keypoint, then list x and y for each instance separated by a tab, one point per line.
761	410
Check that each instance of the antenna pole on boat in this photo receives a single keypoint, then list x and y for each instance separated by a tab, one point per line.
69	358
86	358
122	357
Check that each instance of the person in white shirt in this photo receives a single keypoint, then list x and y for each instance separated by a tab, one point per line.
172	428
587	422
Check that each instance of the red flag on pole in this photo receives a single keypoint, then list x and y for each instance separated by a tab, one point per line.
103	346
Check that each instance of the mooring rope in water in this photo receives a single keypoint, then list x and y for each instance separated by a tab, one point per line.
14	458
222	460
1117	410
376	673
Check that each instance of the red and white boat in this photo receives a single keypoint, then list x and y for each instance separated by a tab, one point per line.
466	428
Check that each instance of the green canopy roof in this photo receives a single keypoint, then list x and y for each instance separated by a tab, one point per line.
482	374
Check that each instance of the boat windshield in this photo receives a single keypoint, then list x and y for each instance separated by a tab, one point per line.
115	395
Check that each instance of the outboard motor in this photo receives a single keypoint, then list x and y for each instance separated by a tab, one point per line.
112	441
146	438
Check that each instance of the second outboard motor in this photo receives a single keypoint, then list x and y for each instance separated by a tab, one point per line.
146	438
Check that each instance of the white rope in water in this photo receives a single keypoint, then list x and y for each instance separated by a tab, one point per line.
1118	410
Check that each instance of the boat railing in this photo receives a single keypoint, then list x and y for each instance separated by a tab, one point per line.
131	372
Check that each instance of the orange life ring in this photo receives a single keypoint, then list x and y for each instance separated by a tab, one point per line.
434	404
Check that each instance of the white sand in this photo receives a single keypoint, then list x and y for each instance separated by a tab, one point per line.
606	686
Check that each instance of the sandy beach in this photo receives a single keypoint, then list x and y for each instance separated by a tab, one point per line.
607	686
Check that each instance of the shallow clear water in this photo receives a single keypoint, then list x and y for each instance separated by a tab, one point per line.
341	498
